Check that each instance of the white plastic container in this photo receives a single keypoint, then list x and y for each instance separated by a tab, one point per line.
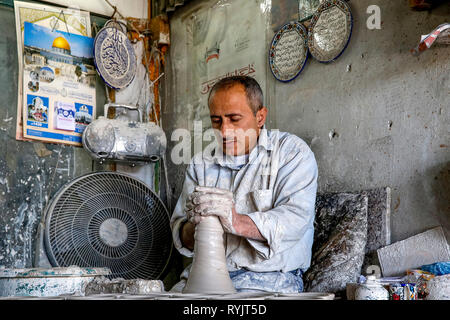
371	290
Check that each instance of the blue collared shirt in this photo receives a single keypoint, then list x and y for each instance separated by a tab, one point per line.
276	187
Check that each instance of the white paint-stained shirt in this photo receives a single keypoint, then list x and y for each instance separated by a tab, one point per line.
276	187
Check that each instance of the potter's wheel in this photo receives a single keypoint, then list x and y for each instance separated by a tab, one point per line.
302	296
195	296
274	296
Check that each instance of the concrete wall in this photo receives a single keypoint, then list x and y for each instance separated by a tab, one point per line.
390	114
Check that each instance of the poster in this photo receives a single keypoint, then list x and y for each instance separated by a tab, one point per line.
67	19
58	84
225	38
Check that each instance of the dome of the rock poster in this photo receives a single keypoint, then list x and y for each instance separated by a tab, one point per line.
61	43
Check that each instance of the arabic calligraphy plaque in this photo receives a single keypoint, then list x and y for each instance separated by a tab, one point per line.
330	30
288	52
114	58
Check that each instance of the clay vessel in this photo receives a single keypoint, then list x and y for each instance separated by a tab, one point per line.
371	290
209	272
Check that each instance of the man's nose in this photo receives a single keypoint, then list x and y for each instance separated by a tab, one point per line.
226	129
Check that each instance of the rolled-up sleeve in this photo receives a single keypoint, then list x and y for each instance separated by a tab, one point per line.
294	196
179	216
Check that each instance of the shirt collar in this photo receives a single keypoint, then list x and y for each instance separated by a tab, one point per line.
264	140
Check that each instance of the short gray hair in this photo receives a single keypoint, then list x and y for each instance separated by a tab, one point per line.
252	90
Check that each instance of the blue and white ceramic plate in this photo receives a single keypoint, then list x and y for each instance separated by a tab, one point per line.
288	51
114	57
330	30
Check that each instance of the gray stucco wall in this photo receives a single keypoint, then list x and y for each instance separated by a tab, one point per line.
389	113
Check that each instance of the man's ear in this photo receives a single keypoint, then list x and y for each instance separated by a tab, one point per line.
261	115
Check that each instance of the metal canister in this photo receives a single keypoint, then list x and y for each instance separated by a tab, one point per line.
397	291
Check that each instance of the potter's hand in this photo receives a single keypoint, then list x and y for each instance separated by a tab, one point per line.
192	215
208	201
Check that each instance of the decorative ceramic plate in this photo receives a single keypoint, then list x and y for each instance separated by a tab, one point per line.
330	30
114	57
289	51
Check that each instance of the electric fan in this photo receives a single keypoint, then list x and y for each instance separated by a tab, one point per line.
108	219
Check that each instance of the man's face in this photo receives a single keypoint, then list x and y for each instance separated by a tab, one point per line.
237	128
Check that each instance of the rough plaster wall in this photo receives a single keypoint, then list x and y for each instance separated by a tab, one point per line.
27	180
385	85
390	114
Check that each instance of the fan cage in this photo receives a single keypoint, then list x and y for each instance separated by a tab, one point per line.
136	245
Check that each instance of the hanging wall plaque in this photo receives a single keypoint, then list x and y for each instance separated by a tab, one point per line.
114	57
330	30
288	51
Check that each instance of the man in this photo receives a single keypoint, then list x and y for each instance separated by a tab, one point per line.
261	184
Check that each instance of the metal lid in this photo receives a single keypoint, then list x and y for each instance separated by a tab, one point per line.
72	271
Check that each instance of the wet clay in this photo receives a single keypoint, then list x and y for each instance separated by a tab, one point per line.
209	272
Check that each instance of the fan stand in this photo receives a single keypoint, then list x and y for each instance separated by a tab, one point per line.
107	219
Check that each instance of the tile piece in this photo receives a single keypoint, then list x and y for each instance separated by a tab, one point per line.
425	248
